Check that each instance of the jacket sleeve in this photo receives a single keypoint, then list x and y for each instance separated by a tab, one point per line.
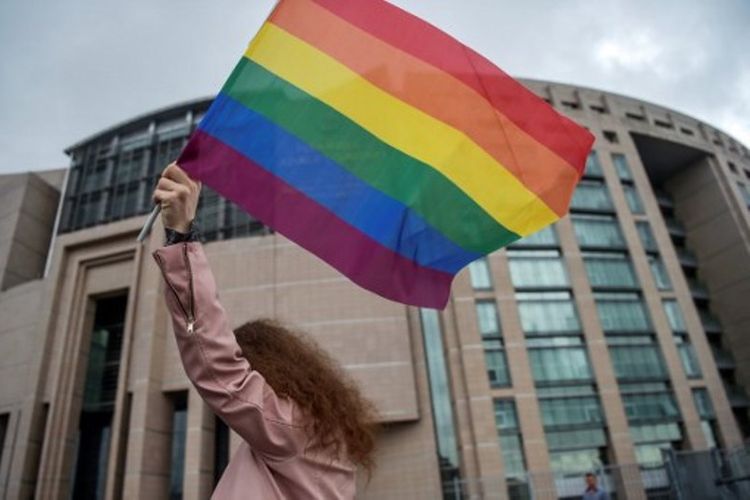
213	360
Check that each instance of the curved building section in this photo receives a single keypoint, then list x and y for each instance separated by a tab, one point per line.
610	342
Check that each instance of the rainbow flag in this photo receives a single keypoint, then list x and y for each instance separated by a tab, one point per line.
384	146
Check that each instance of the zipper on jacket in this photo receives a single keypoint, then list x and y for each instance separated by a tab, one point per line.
188	314
191	317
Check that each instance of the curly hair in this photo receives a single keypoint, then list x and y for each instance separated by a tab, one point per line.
294	365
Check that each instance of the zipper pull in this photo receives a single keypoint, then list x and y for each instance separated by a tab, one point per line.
191	327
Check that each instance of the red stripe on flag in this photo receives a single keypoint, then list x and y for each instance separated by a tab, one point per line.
420	39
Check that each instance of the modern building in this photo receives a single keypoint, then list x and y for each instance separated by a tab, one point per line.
593	345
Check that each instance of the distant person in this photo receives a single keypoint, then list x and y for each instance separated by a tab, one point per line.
305	426
593	492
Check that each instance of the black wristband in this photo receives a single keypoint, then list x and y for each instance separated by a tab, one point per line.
173	236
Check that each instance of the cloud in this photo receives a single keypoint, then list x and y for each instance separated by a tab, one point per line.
735	118
73	68
638	53
643	52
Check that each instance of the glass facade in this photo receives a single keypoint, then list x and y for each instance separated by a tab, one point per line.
442	409
597	231
537	269
609	270
548	313
479	273
593	166
591	195
575	432
621	167
659	272
100	386
492	341
547	237
113	176
509	434
633	199
636	358
622	312
685	349
706	413
558	359
654	419
647	236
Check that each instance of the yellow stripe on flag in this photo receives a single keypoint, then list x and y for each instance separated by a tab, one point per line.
403	127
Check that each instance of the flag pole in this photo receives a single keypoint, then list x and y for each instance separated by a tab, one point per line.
149	223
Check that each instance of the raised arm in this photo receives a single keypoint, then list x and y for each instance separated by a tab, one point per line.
210	354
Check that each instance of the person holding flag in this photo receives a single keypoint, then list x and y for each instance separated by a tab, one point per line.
305	425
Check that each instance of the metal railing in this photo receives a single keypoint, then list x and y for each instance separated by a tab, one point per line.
684	475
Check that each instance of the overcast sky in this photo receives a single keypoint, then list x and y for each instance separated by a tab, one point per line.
71	68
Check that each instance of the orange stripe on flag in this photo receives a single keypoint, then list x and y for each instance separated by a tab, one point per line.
436	93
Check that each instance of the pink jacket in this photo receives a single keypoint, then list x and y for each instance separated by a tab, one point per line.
271	463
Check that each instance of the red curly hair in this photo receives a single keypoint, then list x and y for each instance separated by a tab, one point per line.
295	366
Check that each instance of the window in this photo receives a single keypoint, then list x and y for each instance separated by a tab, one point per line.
237	223
597	231
674	314
497	365
559	363
571	411
129	167
622	167
745	191
95	177
209	212
489	325
609	270
537	269
479	272
4	418
707	415
593	167
509	434
651	439
659	272
99	388
494	352
610	136
547	237
591	195
650	407
574	428
179	432
622	312
703	403
647	237
440	396
545	313
684	347
634	201
688	358
640	361
130	204
221	448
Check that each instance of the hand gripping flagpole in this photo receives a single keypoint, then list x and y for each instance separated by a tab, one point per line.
157	209
149	223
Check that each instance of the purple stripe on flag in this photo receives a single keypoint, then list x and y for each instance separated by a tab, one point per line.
356	255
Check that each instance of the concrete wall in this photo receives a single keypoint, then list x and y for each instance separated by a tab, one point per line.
28	206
